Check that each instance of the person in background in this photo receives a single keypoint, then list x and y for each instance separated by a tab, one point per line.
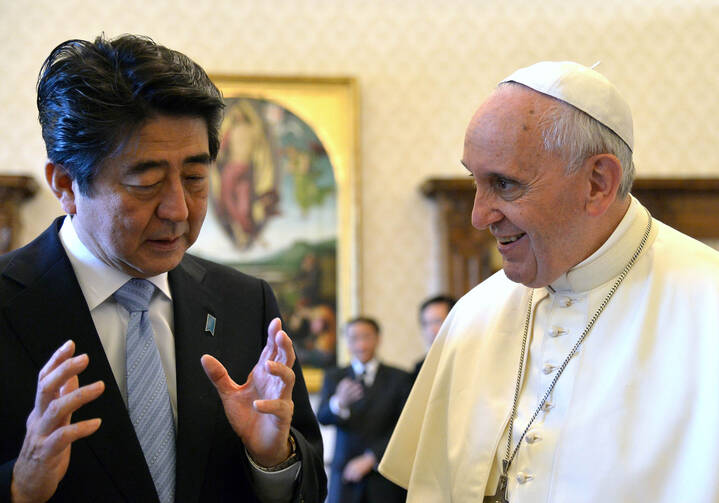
109	388
432	313
586	369
363	400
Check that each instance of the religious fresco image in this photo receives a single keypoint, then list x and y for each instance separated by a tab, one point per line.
273	214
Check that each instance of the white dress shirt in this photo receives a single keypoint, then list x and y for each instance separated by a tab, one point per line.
98	282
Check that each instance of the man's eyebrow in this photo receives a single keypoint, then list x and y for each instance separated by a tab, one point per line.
203	158
142	166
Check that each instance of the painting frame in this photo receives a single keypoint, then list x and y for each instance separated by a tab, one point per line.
330	106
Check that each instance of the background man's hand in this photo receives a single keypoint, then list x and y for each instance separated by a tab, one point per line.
260	411
357	468
45	453
348	392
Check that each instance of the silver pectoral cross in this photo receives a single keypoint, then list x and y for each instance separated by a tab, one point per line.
500	495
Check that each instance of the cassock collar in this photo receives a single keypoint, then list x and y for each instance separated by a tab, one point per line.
608	261
97	280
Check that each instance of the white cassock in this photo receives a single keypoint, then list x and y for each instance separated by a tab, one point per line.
634	418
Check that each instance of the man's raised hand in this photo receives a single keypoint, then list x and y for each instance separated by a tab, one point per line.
260	411
45	453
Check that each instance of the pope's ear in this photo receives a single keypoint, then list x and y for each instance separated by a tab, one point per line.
60	183
605	175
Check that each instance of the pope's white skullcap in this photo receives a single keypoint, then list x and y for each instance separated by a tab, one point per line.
584	88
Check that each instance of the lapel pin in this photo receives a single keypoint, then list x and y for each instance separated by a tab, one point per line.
210	324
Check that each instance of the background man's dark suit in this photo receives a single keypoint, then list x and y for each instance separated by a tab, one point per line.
41	306
370	425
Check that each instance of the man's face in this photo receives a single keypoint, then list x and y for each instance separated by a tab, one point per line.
148	201
362	341
524	196
431	319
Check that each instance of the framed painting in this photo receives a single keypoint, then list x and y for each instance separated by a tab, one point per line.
284	202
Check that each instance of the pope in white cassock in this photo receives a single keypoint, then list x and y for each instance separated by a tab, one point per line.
588	369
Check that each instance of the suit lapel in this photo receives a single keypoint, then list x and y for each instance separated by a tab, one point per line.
52	309
197	400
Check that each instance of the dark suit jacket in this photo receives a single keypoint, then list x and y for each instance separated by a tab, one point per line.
41	306
370	425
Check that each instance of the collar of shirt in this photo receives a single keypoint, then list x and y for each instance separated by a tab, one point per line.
608	261
369	369
97	280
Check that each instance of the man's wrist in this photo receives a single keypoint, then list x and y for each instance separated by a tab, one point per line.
291	459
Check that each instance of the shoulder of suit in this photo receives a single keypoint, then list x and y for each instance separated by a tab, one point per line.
196	266
396	371
21	266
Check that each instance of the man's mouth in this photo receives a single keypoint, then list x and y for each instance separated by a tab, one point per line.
168	239
164	243
505	240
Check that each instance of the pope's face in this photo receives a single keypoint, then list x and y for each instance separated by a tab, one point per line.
524	196
148	201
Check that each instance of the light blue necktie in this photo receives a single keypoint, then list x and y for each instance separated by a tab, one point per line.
147	398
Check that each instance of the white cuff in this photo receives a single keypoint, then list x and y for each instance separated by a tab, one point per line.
337	410
274	487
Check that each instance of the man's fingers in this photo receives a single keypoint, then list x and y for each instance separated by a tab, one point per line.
49	386
58	412
272	329
285	373
218	374
350	387
60	355
61	438
283	409
285	351
70	385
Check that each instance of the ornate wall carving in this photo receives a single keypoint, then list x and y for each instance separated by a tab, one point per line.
14	190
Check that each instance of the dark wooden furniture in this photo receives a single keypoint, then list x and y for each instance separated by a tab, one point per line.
690	205
14	189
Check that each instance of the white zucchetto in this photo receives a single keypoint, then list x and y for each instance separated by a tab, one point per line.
582	87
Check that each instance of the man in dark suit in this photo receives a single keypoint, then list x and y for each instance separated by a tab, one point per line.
364	401
131	129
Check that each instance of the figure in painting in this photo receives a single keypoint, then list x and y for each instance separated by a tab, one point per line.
248	194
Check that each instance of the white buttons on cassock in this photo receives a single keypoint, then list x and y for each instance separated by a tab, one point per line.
548	368
533	437
556	331
524	477
547	406
565	302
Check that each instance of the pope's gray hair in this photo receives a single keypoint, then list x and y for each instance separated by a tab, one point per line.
576	136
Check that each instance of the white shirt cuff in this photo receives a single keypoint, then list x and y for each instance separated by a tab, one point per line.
274	487
337	410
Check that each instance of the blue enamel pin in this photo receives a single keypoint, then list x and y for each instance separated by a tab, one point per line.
210	324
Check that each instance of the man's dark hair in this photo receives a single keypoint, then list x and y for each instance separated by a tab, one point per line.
437	299
363	319
91	96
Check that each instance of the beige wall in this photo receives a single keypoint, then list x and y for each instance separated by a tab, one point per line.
422	67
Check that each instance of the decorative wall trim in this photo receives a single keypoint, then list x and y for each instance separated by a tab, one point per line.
14	190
